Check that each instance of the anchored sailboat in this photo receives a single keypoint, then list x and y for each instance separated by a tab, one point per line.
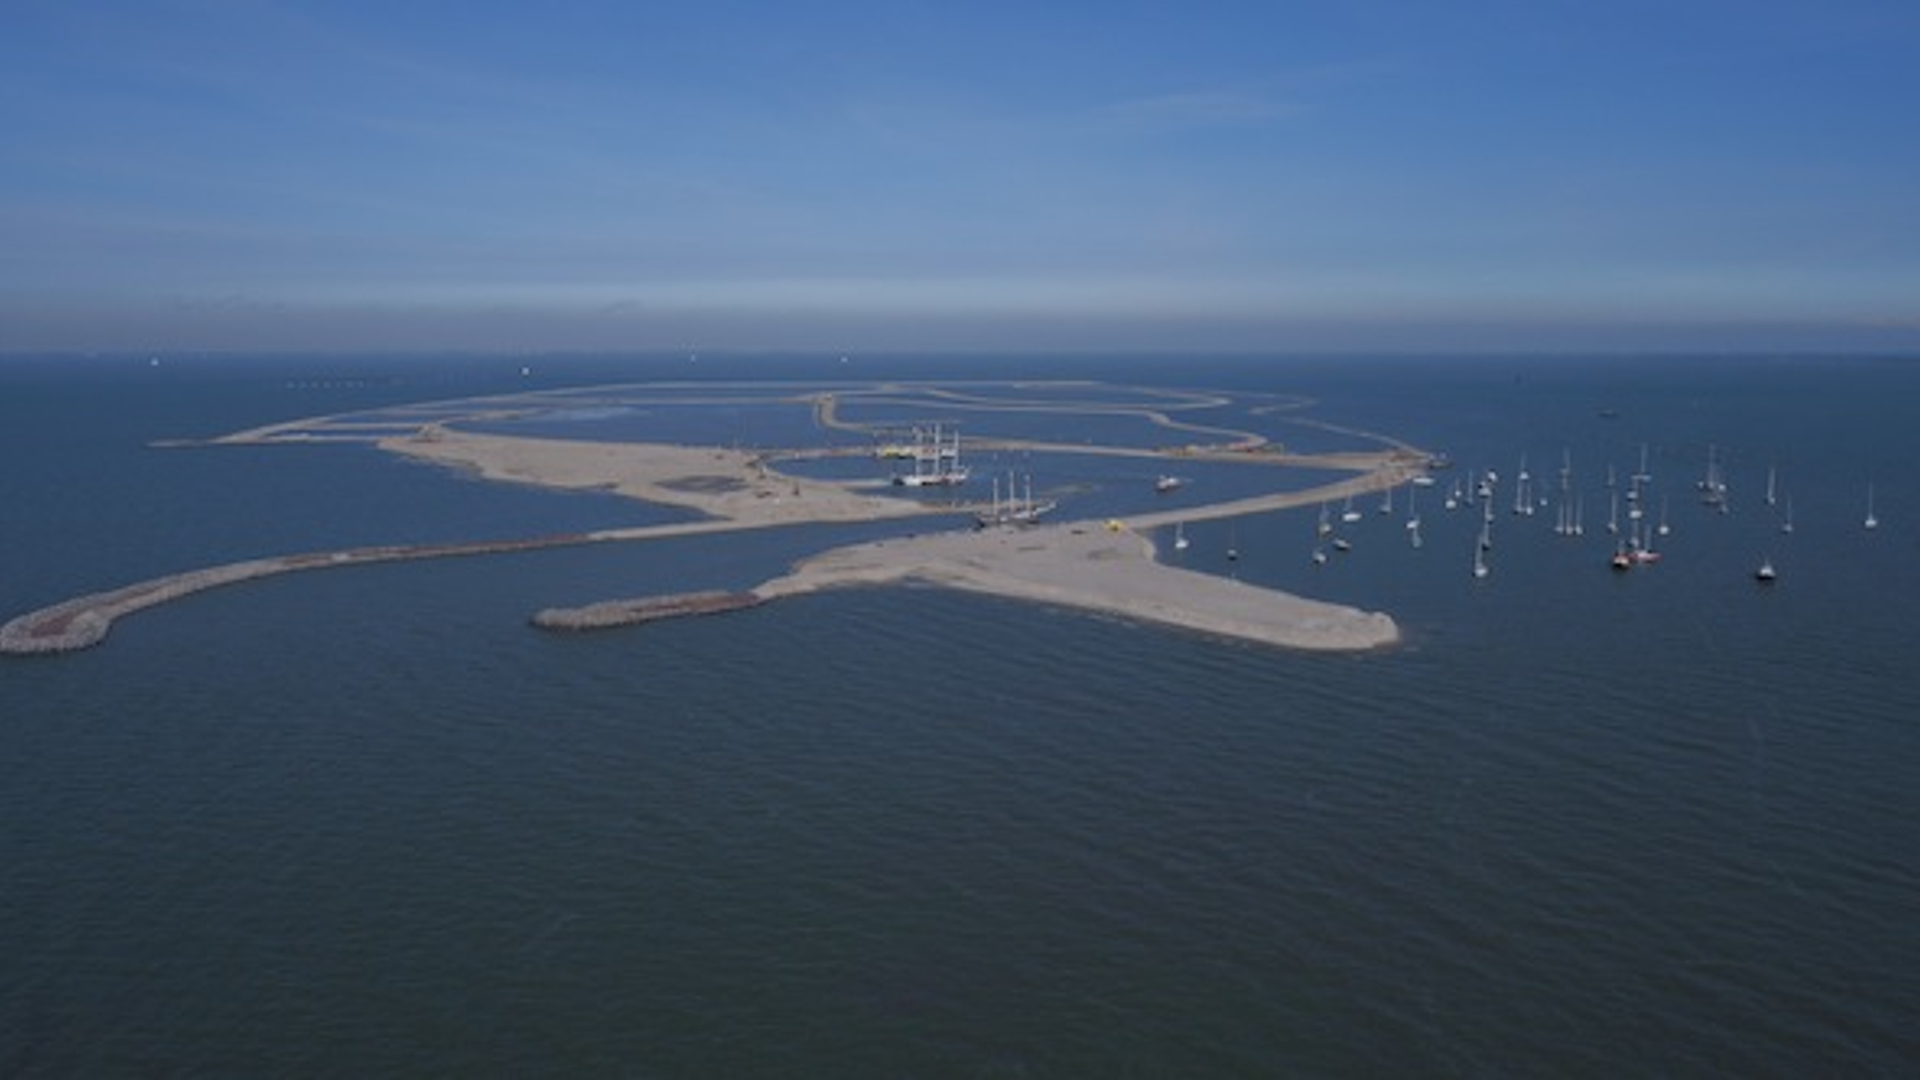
1014	509
1713	485
936	460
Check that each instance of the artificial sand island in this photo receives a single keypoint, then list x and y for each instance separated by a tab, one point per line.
1107	567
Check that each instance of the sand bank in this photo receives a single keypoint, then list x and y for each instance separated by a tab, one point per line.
729	484
1093	568
733	488
1085	566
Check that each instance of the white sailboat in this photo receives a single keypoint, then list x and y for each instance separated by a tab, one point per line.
1713	485
1563	521
1786	521
1485	543
1641	546
1013	510
1872	521
1179	536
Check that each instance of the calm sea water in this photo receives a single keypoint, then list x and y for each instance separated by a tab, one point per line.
368	822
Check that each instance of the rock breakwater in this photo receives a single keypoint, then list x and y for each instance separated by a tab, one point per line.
611	613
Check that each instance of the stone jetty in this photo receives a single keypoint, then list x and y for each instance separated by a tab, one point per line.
612	613
84	621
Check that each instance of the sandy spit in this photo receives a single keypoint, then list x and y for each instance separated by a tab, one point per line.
729	484
1094	568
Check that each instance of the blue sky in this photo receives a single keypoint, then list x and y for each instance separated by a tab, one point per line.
1551	174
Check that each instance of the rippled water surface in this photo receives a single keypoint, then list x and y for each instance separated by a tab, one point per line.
370	822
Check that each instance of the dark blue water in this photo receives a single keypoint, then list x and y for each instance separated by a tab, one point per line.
369	822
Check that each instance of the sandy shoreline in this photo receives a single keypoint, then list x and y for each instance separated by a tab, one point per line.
729	484
1084	565
1094	568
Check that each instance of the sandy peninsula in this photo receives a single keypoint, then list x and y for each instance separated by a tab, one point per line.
1092	567
730	485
